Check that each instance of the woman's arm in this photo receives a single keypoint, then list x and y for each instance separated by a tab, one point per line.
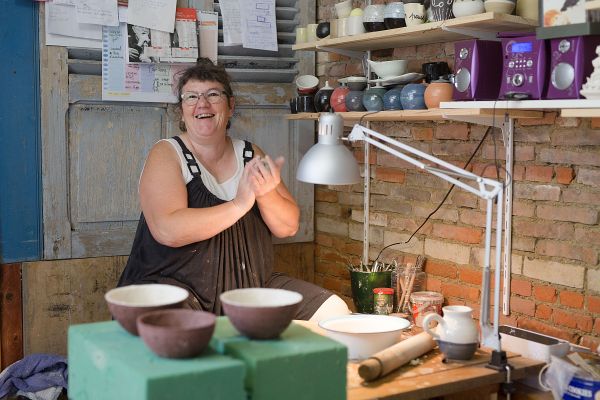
277	206
163	197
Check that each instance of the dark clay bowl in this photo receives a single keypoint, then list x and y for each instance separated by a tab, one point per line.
129	302
177	333
260	313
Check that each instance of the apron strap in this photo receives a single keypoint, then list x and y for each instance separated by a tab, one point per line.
189	158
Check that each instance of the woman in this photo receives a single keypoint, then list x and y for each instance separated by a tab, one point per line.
210	204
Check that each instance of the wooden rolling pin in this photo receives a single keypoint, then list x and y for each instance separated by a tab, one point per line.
387	360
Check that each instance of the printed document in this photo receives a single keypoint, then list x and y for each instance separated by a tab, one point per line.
259	24
232	31
153	14
100	12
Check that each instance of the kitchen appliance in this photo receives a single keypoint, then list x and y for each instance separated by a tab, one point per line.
570	63
525	68
478	66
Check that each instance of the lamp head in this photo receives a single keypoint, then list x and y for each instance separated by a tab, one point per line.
329	162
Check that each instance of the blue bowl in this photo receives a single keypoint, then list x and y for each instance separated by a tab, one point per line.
412	97
391	99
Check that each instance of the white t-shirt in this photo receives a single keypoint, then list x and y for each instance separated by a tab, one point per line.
225	190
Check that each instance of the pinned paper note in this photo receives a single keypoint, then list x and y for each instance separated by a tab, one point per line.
155	14
100	12
259	24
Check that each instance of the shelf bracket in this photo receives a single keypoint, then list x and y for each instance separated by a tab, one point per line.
476	33
347	53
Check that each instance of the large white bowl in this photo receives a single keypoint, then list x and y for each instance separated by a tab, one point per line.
389	69
365	334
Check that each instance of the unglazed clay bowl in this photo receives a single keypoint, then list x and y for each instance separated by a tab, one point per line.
126	303
260	313
177	333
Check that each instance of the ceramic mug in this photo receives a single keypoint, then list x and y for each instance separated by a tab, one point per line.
355	25
311	33
414	14
441	10
333	28
301	35
342	27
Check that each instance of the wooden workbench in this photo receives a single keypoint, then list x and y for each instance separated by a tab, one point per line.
435	378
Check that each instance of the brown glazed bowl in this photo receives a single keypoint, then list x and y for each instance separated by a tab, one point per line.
176	333
260	313
126	303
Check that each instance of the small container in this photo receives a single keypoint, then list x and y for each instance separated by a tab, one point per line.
424	303
383	301
407	279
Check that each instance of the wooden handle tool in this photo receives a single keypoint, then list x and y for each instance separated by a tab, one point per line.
387	360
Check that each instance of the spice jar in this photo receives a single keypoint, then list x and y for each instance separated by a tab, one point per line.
383	300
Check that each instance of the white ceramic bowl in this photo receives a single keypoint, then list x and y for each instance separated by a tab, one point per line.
389	69
499	6
365	334
465	8
343	9
307	82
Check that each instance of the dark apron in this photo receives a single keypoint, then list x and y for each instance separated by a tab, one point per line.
239	257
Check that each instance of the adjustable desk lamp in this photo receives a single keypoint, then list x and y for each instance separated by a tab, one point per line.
329	162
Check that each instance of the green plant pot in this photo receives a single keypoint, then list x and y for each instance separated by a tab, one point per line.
363	284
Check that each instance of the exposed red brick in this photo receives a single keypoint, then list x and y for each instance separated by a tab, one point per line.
542	311
538	173
548	119
434	285
582	215
323	239
564	175
546	329
546	294
471	276
520	287
593	304
460	291
458	233
452	131
595	123
571	299
567	250
390	174
422	133
597	327
564	318
359	154
440	269
523	306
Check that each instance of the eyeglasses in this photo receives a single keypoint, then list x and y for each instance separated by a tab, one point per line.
213	96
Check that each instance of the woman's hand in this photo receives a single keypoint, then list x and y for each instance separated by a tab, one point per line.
245	197
265	174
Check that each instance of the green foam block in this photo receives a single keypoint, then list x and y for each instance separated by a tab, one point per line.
300	365
106	362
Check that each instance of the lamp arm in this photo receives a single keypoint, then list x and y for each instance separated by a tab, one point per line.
488	189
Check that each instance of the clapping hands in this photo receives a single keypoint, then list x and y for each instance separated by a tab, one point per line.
265	174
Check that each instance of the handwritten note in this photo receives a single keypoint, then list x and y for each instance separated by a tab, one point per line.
153	14
232	21
259	25
101	12
61	19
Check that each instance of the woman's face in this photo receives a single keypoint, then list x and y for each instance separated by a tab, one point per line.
205	119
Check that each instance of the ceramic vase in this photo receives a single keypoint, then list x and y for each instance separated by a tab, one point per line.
391	99
338	98
463	8
354	101
441	10
412	97
323	97
436	92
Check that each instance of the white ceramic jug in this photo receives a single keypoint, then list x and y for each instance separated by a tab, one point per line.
456	333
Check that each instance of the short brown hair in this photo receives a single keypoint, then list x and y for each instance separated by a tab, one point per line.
204	70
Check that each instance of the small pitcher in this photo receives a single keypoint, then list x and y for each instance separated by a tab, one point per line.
456	333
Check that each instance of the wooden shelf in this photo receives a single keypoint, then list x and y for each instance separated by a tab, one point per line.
592	5
580	112
581	108
419	115
432	32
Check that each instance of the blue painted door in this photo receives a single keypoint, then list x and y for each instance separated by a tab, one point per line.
20	203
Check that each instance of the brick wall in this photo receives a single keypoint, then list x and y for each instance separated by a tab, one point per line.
556	238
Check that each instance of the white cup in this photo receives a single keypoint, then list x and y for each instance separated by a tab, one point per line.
342	9
301	35
311	33
414	14
342	29
355	25
333	28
